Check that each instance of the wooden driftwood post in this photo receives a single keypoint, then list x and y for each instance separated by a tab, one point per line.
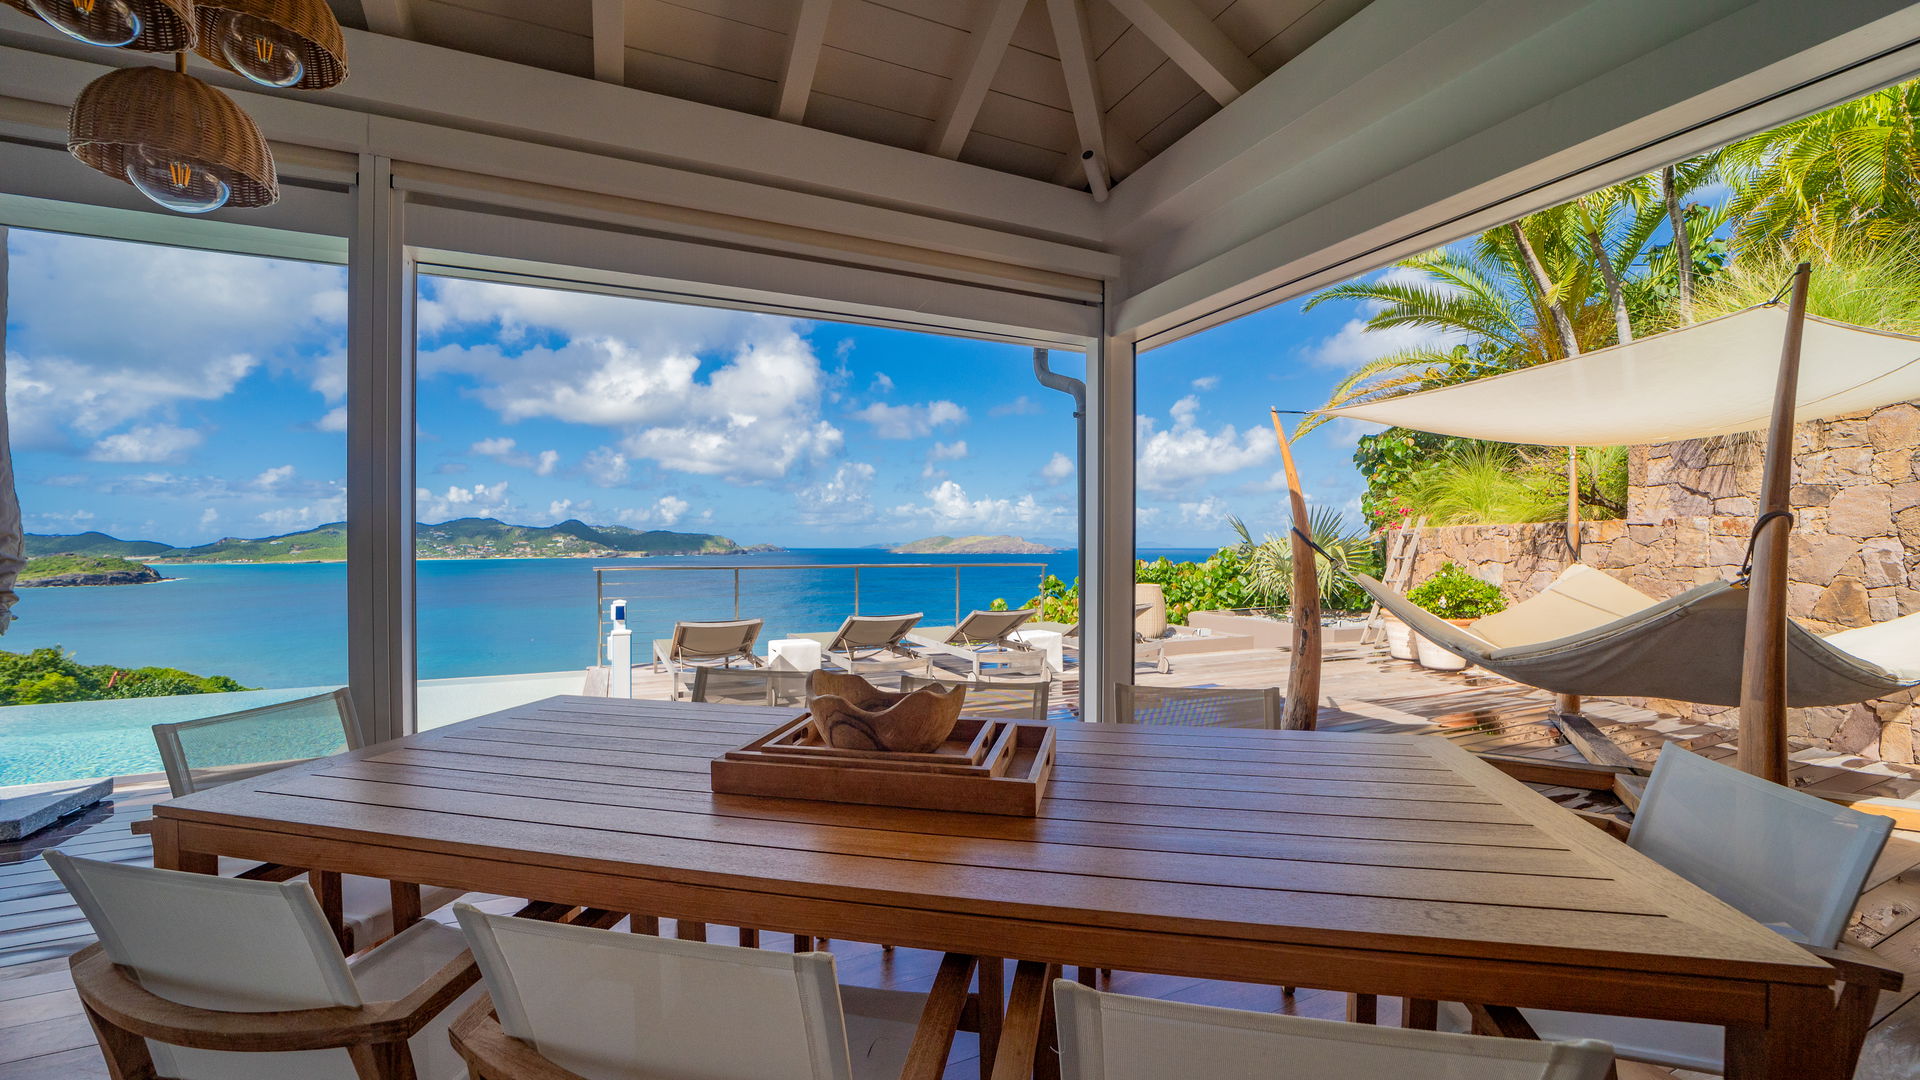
1570	703
1303	674
1763	664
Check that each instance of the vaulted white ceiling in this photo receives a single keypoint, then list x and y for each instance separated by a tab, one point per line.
1021	86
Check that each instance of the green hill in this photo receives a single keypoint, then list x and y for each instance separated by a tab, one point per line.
92	543
85	570
973	545
463	538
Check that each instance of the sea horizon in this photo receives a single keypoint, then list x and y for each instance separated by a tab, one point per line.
283	624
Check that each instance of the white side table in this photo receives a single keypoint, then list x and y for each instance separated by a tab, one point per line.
1051	643
793	654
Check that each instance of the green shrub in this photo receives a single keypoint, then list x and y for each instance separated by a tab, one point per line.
49	675
1452	593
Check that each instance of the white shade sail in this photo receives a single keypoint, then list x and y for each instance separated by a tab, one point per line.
1711	378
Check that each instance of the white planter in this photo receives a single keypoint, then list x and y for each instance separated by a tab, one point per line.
1436	658
1399	639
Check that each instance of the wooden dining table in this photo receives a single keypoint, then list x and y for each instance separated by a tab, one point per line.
1375	864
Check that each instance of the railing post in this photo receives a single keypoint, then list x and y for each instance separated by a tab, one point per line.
599	615
956	595
856	590
736	592
619	653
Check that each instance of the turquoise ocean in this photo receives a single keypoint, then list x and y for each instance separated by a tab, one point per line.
285	626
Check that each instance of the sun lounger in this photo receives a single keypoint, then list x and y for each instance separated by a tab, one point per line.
700	644
986	637
869	643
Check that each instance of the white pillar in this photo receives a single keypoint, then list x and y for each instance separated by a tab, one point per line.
380	419
619	651
1106	628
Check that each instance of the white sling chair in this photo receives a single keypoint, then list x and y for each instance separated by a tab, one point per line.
1792	862
1117	1037
210	751
1591	635
606	1005
195	953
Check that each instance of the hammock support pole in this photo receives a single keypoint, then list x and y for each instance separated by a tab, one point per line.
1570	703
1763	669
1303	673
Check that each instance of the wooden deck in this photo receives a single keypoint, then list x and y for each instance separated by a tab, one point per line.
43	1035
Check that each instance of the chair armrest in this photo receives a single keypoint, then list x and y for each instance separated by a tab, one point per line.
1861	966
490	1051
113	993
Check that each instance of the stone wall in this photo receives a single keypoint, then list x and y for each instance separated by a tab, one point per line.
1855	554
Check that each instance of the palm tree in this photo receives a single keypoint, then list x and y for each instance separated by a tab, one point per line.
1851	171
1270	560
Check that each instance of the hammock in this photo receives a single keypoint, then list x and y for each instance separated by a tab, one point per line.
1592	635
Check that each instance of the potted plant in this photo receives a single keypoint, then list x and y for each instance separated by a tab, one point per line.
1458	597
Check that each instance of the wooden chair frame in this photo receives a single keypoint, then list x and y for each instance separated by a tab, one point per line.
492	1054
124	1015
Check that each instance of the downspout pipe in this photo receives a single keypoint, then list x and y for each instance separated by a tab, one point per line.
1077	388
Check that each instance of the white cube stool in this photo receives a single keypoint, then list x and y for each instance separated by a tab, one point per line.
793	654
1051	643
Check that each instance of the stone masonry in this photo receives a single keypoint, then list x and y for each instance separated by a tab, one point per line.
1855	555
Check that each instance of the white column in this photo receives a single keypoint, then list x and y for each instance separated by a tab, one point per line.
380	420
619	651
1106	627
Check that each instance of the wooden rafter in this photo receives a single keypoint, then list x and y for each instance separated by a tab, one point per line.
393	18
1195	43
803	59
1069	19
610	40
986	47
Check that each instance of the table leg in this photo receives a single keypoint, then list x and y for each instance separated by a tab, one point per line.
1025	1036
1422	1013
326	887
1363	1009
1796	1043
689	931
167	854
405	899
993	1009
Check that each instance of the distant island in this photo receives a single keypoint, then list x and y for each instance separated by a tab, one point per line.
973	545
464	538
55	570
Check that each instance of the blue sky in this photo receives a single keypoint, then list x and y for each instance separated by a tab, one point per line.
184	396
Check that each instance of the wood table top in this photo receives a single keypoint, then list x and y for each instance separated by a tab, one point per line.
1402	843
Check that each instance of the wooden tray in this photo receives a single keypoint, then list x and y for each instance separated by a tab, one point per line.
987	766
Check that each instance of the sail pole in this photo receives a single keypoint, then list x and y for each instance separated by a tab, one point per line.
1570	703
1303	674
1763	665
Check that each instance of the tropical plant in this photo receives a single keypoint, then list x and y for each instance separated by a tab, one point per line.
1859	280
1452	593
49	675
1220	583
1479	483
1848	174
1269	561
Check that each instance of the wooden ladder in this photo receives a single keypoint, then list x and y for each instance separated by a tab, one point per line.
1402	546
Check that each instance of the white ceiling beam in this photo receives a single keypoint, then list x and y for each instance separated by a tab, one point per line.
803	59
393	18
1195	43
610	41
986	46
1069	19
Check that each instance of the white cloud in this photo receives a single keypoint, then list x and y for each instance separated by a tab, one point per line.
646	369
561	509
480	500
274	479
1020	406
665	513
1206	382
506	452
882	383
1058	469
286	519
606	466
1353	344
334	420
952	451
151	443
1210	510
206	320
910	421
846	497
947	507
209	517
1171	460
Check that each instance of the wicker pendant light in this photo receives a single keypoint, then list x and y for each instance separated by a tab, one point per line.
140	25
182	143
294	43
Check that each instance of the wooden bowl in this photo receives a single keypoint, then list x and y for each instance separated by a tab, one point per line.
853	714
